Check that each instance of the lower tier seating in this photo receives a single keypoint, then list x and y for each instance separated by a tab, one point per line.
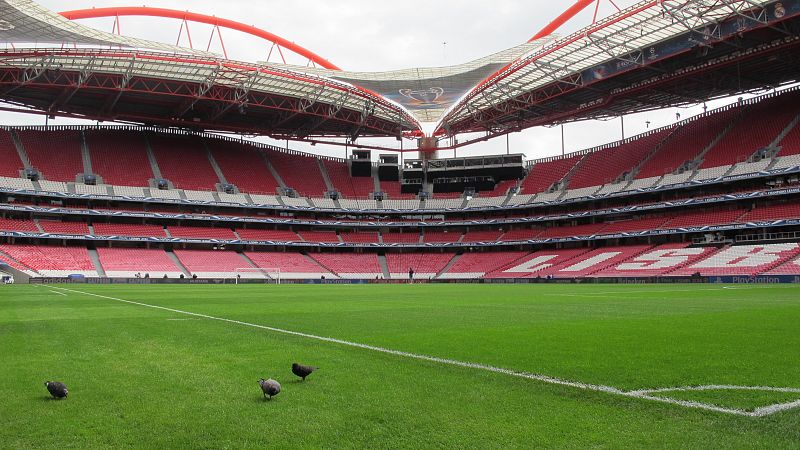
674	259
128	262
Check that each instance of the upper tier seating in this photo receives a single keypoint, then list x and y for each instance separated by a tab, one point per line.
686	143
57	155
760	125
425	265
392	190
349	187
244	166
291	264
10	163
351	265
214	263
543	174
183	161
299	172
790	144
127	262
605	166
119	157
52	261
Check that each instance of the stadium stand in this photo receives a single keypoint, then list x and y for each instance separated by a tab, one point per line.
120	158
319	236
18	225
213	263
537	264
476	265
350	265
441	236
760	125
658	261
688	140
299	172
545	173
392	190
359	237
483	236
349	187
608	164
128	262
39	145
57	226
742	260
183	161
11	164
244	166
425	265
200	232
406	237
293	265
52	261
255	234
127	229
791	267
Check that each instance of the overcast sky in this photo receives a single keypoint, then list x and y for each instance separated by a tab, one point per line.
374	35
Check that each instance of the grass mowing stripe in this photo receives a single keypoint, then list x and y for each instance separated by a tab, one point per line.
639	394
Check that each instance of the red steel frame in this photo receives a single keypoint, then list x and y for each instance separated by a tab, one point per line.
217	22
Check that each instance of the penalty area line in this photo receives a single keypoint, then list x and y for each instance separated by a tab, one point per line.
639	394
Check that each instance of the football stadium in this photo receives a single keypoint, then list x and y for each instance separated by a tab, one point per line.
201	250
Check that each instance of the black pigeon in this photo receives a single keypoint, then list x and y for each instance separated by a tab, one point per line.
269	387
57	389
302	371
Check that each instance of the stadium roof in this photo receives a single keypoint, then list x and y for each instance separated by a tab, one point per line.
595	72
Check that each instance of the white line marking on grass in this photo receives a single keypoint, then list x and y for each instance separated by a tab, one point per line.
56	292
643	394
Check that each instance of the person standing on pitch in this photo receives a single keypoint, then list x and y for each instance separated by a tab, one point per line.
410	275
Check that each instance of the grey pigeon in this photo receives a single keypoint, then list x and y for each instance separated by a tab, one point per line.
269	387
57	389
302	371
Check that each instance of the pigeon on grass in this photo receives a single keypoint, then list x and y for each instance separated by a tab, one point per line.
57	389
269	387
302	371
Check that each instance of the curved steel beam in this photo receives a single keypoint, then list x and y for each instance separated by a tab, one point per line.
201	18
563	18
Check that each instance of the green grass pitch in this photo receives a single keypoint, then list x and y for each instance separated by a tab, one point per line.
142	377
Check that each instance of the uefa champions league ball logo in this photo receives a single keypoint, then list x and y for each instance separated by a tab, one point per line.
780	11
424	96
